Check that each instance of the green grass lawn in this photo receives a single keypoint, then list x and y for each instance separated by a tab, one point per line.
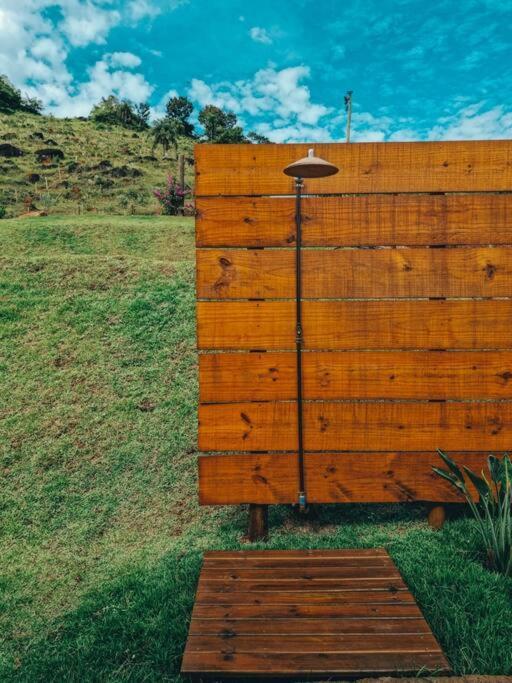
101	535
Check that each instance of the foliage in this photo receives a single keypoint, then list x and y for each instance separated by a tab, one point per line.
95	161
3	211
493	512
133	197
11	99
257	138
219	126
172	197
48	200
115	112
180	109
166	133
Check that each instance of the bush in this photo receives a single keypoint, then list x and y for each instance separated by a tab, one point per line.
172	197
3	211
493	512
12	100
115	112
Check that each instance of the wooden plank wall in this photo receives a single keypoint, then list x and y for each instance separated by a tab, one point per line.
407	319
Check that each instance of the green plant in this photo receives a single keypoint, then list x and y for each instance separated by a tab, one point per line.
171	197
3	211
166	133
220	126
493	511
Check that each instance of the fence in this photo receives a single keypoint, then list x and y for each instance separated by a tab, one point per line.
407	319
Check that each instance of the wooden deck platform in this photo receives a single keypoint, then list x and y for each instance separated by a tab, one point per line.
306	614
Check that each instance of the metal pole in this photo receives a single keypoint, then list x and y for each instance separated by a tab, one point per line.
299	340
348	107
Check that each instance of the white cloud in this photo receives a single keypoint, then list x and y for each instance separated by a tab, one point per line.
34	50
126	59
86	22
103	80
159	110
473	122
279	95
142	9
260	35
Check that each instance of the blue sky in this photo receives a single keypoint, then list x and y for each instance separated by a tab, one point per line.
419	70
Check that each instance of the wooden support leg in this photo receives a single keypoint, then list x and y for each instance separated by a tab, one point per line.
258	522
437	516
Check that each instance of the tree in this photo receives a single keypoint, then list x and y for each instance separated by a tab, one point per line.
116	112
257	138
143	111
220	126
166	133
180	109
12	100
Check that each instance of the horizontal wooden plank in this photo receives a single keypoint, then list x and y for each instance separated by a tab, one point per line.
382	579
330	478
461	166
279	556
355	273
382	642
325	663
325	611
377	596
367	220
228	377
298	571
405	325
367	426
406	625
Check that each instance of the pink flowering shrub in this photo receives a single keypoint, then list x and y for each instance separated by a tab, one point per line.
172	197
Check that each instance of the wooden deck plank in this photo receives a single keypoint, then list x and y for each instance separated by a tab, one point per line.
323	665
342	642
323	625
333	626
224	610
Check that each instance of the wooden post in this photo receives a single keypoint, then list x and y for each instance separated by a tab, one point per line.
258	522
437	516
181	166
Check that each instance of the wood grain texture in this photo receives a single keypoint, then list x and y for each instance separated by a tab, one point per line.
271	611
245	558
267	628
366	220
356	324
365	426
462	166
302	666
309	643
355	273
312	626
388	477
232	377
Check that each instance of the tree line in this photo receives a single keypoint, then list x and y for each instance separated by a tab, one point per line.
218	126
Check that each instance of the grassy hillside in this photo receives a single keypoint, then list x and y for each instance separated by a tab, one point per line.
101	535
105	169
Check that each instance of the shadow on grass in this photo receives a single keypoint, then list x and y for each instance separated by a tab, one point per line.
132	629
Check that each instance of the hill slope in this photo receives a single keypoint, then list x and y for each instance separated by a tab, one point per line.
77	166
